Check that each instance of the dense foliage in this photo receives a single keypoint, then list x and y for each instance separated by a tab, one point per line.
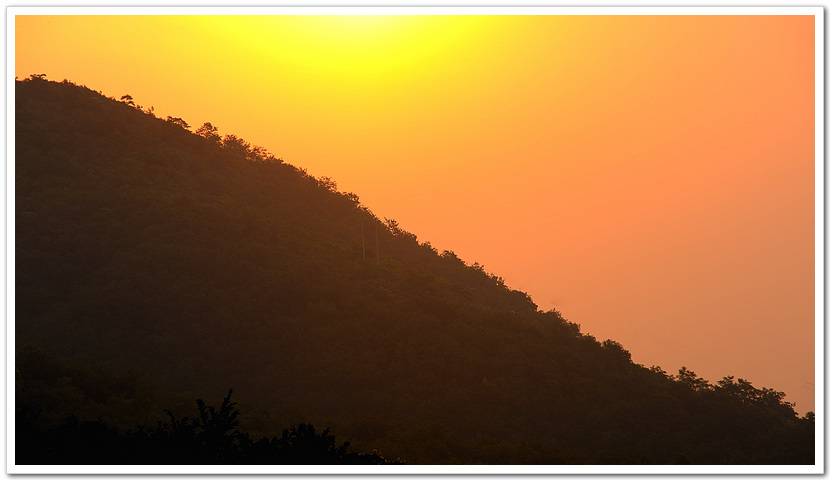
212	437
186	262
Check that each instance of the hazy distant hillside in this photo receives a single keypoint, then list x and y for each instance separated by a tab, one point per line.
155	263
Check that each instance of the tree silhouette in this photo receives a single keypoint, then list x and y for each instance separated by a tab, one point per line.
212	437
234	144
208	131
688	377
304	444
178	121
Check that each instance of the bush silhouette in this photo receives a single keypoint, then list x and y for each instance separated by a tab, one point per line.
212	437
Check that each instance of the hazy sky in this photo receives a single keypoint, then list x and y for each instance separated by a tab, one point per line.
650	177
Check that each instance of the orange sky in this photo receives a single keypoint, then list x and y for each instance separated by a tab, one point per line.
651	177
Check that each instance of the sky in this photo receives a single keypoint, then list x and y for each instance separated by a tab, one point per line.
650	177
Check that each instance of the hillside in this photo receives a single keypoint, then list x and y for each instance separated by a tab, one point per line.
155	264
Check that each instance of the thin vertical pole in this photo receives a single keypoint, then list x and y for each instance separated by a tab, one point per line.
363	239
377	246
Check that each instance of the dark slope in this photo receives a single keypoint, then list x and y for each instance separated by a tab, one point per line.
202	263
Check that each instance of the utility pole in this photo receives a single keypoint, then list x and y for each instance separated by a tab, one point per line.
377	246
363	238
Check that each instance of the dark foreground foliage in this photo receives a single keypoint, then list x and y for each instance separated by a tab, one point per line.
211	437
154	263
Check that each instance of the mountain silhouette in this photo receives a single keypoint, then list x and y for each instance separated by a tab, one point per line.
154	263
